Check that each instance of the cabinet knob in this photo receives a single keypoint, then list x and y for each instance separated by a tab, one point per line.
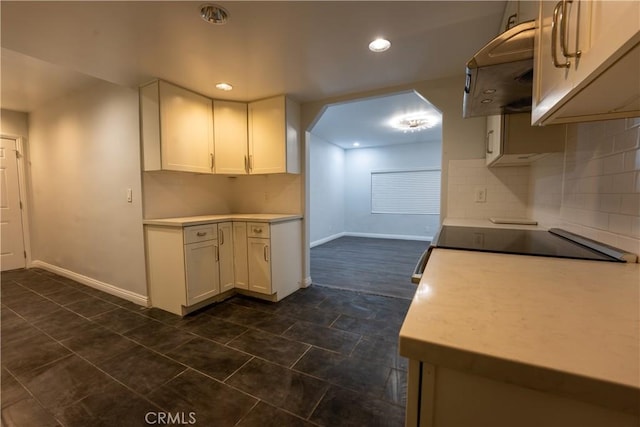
201	233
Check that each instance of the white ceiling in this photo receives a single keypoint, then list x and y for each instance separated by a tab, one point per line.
310	50
366	121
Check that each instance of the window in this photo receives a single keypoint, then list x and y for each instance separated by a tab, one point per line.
406	192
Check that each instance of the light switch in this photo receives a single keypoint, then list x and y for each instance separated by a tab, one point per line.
129	195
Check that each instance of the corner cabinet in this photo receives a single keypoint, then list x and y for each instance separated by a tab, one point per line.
191	266
586	61
512	141
176	129
274	135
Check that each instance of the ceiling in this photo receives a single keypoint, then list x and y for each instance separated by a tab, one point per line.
367	121
310	50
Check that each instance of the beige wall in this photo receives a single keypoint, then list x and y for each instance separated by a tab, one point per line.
84	152
177	194
593	189
13	123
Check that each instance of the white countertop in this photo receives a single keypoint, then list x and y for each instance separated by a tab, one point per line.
561	325
207	219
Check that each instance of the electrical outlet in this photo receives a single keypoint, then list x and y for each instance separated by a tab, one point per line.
480	195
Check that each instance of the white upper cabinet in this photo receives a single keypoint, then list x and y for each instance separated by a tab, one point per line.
274	132
517	12
512	141
177	129
587	61
230	137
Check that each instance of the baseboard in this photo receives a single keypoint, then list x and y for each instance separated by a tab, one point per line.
389	236
326	240
93	283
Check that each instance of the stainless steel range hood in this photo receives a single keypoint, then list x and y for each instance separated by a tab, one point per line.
500	75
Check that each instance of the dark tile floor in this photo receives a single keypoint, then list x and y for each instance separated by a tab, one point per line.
75	356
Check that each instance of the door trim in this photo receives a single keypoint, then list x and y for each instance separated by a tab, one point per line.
21	145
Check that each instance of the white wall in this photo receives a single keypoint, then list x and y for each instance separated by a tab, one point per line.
327	185
359	164
85	154
593	189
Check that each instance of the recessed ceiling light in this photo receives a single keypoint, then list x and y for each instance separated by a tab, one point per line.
356	144
214	14
224	86
379	45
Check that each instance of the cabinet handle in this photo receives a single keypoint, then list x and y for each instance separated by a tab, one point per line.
250	162
554	35
211	160
511	21
201	233
246	164
487	138
266	253
217	253
257	230
221	237
563	33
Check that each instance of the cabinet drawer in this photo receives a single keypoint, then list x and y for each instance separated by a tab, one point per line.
200	233
258	229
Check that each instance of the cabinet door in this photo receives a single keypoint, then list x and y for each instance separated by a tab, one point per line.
230	137
267	136
240	260
603	32
259	253
225	247
493	138
201	262
186	126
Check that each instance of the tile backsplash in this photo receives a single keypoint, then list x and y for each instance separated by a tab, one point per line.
507	190
593	188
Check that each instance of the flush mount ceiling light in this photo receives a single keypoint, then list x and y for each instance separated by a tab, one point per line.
414	122
224	86
356	144
379	45
214	14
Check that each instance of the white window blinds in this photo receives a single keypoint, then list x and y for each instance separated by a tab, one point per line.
406	192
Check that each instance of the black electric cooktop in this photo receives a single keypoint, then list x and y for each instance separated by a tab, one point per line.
515	241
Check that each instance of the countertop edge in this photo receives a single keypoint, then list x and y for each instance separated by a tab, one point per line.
211	219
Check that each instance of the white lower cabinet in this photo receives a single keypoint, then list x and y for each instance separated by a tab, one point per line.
240	261
442	397
201	262
259	265
182	266
187	267
225	258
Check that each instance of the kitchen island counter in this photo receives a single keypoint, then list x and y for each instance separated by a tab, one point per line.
561	326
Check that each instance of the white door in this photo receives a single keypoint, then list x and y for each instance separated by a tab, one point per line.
12	253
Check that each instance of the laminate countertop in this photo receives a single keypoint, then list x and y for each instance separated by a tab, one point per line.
569	327
208	219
